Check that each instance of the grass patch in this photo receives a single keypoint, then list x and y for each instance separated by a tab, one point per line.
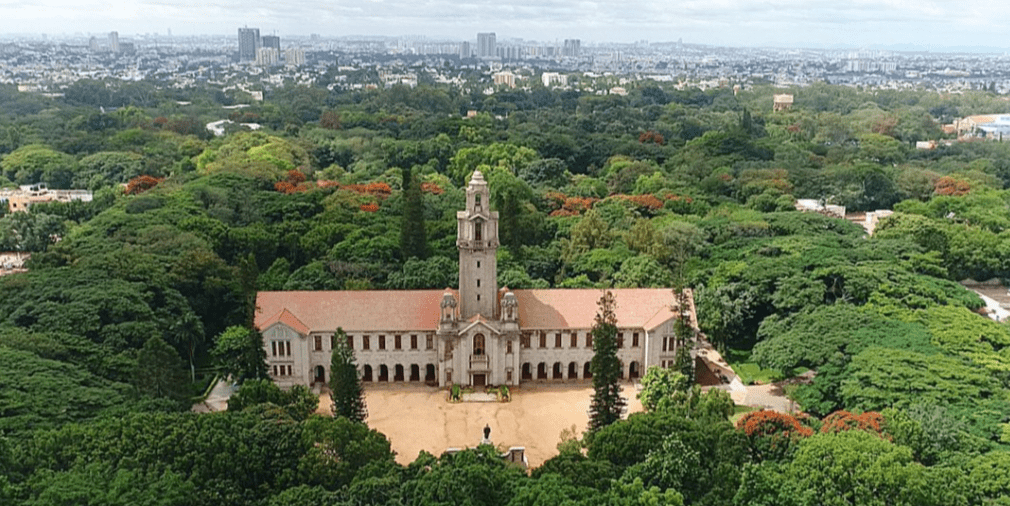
739	411
750	372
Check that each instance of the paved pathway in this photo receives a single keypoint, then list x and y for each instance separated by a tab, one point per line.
218	398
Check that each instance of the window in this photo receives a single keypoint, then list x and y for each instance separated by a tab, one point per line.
365	342
273	348
620	340
524	340
589	340
397	341
634	339
478	283
350	341
478	344
413	341
478	230
429	342
557	340
333	341
287	345
318	343
508	376
382	342
508	346
543	339
289	371
476	199
478	264
478	296
574	340
275	370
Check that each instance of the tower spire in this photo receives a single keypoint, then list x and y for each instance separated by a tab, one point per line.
477	241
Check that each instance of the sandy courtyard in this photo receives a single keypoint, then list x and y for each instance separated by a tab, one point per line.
417	417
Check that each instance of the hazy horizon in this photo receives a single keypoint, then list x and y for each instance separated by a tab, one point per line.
899	24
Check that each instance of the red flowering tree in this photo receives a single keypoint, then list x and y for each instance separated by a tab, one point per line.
840	421
141	184
772	435
948	185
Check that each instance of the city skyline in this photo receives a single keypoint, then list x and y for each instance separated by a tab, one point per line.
925	24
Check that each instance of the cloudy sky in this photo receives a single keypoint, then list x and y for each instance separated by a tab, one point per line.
799	23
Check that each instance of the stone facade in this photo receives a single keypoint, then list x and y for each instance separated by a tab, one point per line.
476	335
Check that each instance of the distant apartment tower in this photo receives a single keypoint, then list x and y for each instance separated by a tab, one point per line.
486	45
294	57
248	43
572	47
114	42
93	44
271	41
464	50
267	56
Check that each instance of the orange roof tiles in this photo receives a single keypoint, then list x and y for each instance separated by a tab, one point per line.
391	310
288	319
576	308
354	310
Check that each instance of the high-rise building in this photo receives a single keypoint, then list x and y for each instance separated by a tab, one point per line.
271	41
93	44
248	43
294	57
114	42
464	50
486	45
572	47
267	56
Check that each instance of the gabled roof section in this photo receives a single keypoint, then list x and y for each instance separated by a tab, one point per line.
353	310
287	318
645	308
479	321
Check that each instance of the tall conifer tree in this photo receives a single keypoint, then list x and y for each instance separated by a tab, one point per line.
345	386
413	239
607	403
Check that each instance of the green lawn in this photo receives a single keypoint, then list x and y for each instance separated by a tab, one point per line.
739	411
750	372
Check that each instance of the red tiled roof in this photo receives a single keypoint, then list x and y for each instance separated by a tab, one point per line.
353	310
576	308
390	310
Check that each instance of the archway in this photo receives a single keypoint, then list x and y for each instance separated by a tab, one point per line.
541	371
557	371
527	371
586	371
429	373
573	370
634	370
383	373
398	373
415	372
320	375
367	376
478	344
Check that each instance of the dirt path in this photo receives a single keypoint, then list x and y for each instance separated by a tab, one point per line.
417	418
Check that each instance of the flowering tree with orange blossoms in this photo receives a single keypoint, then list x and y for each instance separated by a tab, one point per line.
772	435
948	185
141	184
651	136
370	207
294	182
839	421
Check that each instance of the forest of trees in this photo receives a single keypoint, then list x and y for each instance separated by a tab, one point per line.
135	302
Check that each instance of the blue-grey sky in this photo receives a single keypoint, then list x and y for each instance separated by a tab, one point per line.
799	23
